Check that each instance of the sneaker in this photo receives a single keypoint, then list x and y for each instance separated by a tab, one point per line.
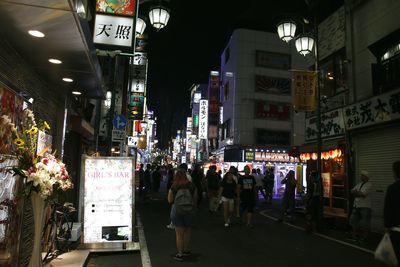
178	257
226	224
170	226
187	253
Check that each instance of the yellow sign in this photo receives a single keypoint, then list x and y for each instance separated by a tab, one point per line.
304	90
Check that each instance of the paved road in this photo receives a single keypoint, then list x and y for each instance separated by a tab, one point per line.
268	244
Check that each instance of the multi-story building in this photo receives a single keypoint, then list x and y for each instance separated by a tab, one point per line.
258	123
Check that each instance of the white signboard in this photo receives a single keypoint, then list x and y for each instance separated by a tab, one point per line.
44	143
332	124
137	86
140	58
108	199
379	109
118	136
113	30
203	119
133	141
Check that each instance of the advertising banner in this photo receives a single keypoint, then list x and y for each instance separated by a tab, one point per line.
203	119
304	90
332	124
273	85
126	7
108	199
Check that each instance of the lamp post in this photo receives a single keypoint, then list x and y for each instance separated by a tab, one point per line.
305	43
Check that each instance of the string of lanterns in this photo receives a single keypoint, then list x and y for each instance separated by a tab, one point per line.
331	154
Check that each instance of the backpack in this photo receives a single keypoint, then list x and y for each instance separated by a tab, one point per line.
184	202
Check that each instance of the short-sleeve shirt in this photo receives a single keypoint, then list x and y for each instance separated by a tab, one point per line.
363	202
228	189
247	186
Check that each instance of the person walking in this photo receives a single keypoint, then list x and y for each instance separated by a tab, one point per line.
183	221
246	189
391	210
360	218
269	182
288	201
312	201
227	195
156	179
213	180
198	180
236	209
259	183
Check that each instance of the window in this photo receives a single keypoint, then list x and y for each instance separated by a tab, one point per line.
333	74
226	91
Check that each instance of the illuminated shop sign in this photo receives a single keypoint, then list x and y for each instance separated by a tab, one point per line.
113	30
108	199
136	106
332	124
189	124
269	156
203	119
116	7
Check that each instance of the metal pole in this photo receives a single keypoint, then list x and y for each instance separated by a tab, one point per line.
319	138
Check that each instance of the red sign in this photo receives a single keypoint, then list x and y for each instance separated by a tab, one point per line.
276	111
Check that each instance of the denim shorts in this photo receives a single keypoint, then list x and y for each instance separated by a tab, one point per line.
184	221
360	217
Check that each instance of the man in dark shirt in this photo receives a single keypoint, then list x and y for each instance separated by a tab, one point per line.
246	189
391	212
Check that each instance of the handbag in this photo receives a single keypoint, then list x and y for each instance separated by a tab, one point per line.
385	252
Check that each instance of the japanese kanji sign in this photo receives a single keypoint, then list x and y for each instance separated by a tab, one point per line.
332	124
304	90
203	119
382	108
113	30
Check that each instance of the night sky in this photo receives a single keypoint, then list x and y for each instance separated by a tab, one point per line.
189	47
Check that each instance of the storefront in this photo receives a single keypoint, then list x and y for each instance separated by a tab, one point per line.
334	177
278	160
376	145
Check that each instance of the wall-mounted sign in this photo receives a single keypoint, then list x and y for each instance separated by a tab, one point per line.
375	110
272	85
44	143
304	90
196	97
273	60
113	30
274	157
118	136
108	199
272	111
332	124
140	58
116	7
189	124
249	155
136	106
138	85
203	119
133	141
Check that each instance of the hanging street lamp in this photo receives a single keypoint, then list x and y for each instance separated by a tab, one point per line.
159	17
140	25
304	44
286	30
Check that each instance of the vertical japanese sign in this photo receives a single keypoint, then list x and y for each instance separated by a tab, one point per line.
189	124
136	106
203	119
304	90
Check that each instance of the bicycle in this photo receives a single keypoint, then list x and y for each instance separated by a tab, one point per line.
57	230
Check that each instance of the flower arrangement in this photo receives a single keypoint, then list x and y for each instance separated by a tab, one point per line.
43	174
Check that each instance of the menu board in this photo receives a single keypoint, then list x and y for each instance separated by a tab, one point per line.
108	199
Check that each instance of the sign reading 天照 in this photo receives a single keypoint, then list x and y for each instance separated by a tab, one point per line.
203	119
113	30
108	199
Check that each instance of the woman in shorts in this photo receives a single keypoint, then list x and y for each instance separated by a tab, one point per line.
227	194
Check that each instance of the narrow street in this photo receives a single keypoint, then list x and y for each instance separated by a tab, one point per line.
267	244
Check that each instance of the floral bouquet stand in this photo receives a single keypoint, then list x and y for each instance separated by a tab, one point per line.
43	174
